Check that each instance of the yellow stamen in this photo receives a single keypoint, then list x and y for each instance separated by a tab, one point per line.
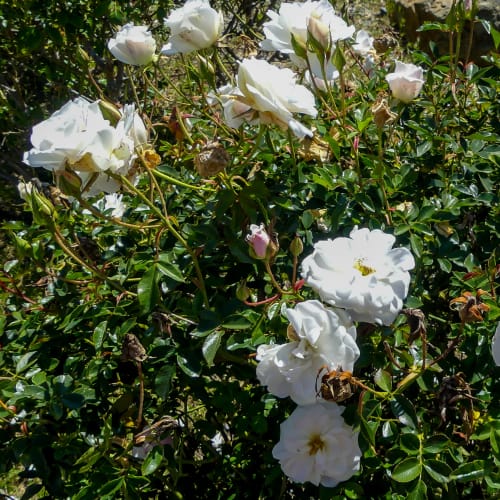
315	444
362	268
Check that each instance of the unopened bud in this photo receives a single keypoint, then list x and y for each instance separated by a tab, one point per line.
42	209
296	246
262	246
69	183
110	112
319	33
242	292
298	48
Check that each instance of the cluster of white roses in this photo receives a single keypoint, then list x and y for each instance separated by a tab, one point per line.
361	278
79	139
265	93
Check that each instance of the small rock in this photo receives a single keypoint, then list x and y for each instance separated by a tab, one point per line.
409	15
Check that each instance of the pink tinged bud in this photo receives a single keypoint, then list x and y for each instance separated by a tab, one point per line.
355	143
259	240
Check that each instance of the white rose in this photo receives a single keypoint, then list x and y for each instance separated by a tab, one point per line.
406	81
133	45
323	337
364	43
317	446
267	94
79	138
362	274
194	26
294	19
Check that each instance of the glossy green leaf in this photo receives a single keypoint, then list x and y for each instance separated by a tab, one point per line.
147	290
404	411
407	470
152	461
383	379
470	471
211	346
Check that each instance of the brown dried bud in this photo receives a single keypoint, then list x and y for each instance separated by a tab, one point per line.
382	113
211	160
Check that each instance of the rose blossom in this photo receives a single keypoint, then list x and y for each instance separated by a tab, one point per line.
406	81
320	336
293	19
193	26
316	445
298	19
133	45
267	94
364	43
362	274
78	138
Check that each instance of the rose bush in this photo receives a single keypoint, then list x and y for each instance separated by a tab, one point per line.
144	345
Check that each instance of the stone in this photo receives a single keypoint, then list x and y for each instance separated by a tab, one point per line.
409	15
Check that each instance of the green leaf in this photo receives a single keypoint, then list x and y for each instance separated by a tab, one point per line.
419	492
152	461
211	345
147	290
236	322
383	379
404	411
25	361
410	443
436	444
168	268
470	471
407	470
190	367
98	336
163	380
369	429
107	490
437	470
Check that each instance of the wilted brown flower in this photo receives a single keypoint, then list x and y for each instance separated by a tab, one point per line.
382	113
470	308
211	160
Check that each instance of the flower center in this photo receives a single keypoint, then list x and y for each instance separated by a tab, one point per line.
315	444
362	268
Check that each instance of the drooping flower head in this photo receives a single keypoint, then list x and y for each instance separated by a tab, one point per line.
193	26
78	140
133	45
317	446
406	81
362	274
267	94
320	336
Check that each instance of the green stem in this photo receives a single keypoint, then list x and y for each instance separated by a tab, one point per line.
177	182
174	232
61	240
